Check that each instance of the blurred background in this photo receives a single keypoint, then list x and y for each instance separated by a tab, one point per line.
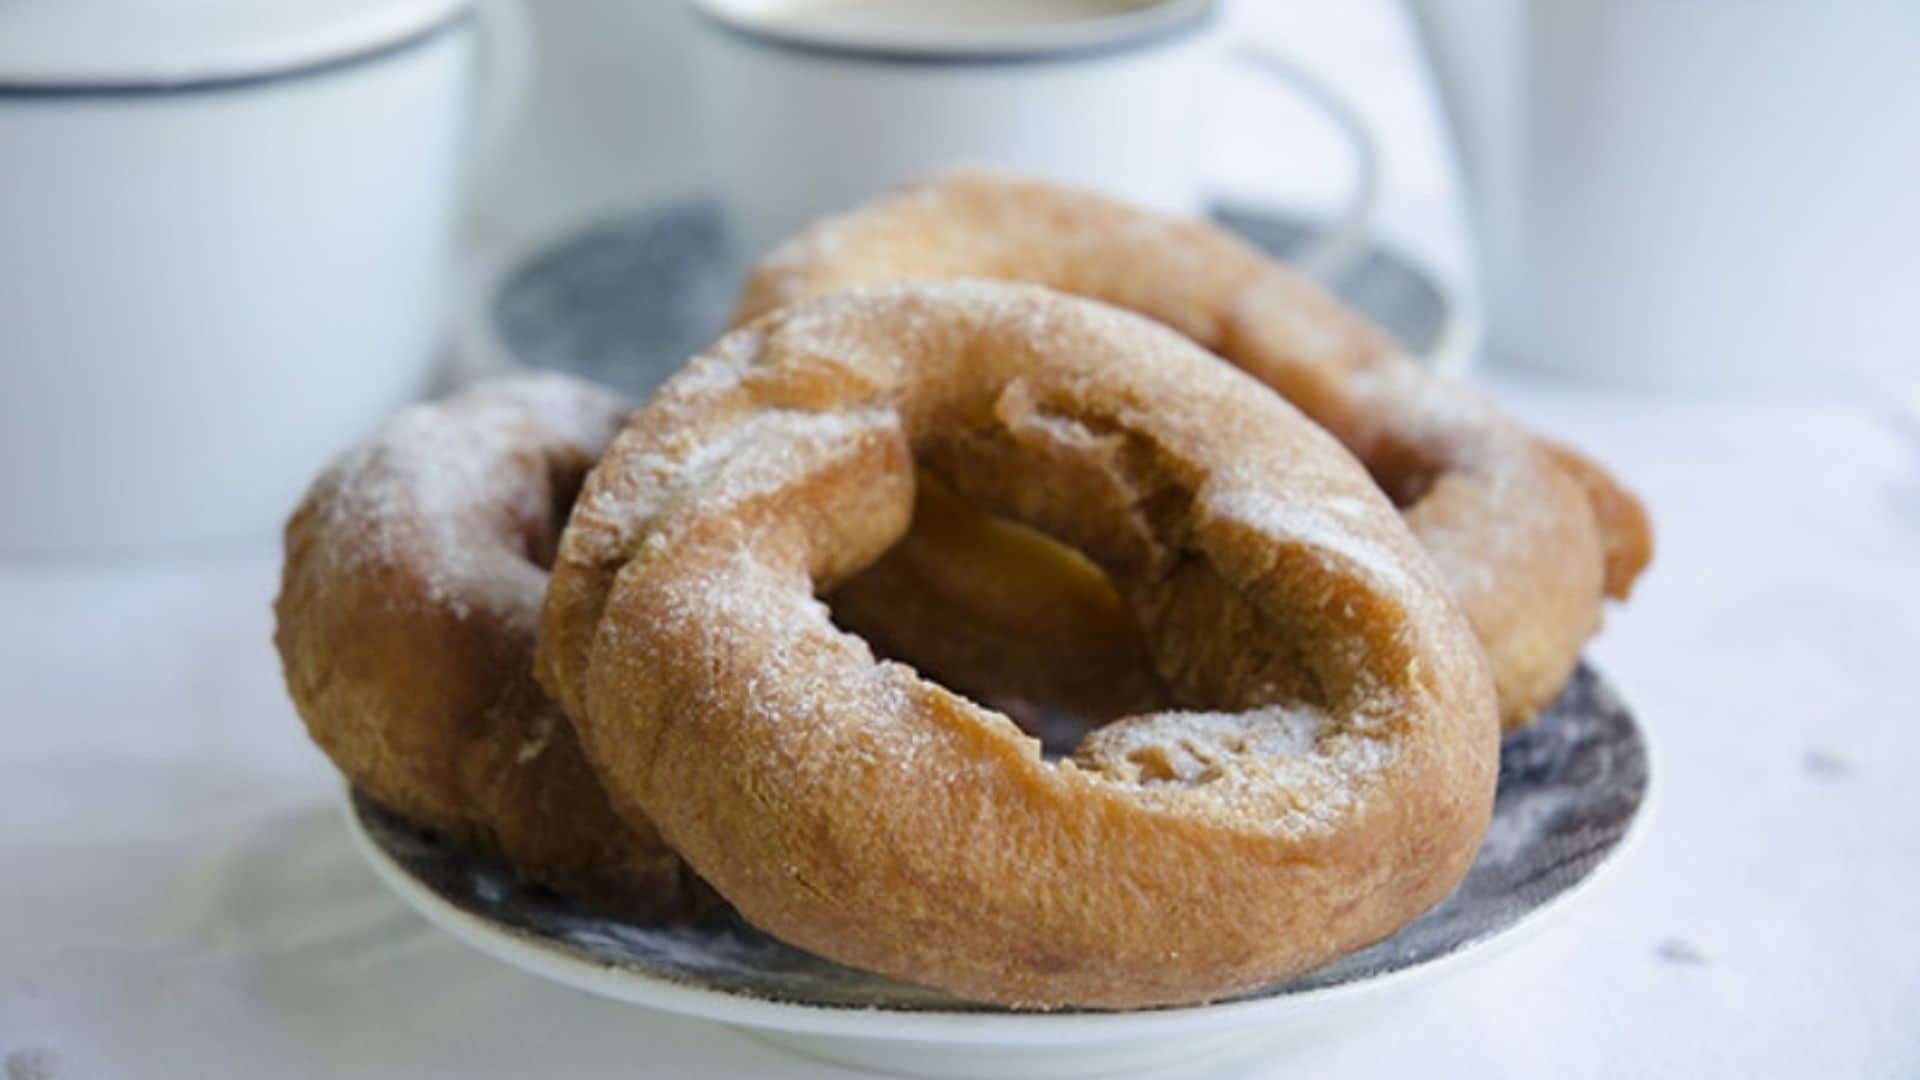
234	236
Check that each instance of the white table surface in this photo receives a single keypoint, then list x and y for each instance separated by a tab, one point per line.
178	897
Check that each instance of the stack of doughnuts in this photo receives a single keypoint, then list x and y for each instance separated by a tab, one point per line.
969	451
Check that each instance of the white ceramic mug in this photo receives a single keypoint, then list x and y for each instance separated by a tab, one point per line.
224	254
813	117
1706	195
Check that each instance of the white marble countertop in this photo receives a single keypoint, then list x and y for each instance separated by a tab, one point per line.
178	897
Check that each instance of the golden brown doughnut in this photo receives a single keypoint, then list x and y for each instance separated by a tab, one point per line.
1334	784
408	609
1529	535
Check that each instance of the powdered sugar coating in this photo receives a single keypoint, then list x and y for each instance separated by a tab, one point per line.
443	487
1326	527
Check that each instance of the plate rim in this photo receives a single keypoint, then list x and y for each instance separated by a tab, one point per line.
534	955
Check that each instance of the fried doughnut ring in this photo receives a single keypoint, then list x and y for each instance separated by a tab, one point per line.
1529	535
408	608
852	808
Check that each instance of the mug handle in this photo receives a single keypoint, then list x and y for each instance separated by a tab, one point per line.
1329	256
500	82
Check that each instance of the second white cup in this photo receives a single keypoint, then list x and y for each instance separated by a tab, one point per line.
816	106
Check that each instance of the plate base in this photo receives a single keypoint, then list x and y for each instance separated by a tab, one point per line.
1141	1058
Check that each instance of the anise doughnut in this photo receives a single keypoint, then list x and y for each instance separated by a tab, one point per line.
406	622
1327	777
1530	536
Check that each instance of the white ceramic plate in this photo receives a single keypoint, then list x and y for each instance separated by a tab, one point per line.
1570	790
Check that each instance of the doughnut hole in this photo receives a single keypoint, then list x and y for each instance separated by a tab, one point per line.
566	474
1034	597
1001	613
